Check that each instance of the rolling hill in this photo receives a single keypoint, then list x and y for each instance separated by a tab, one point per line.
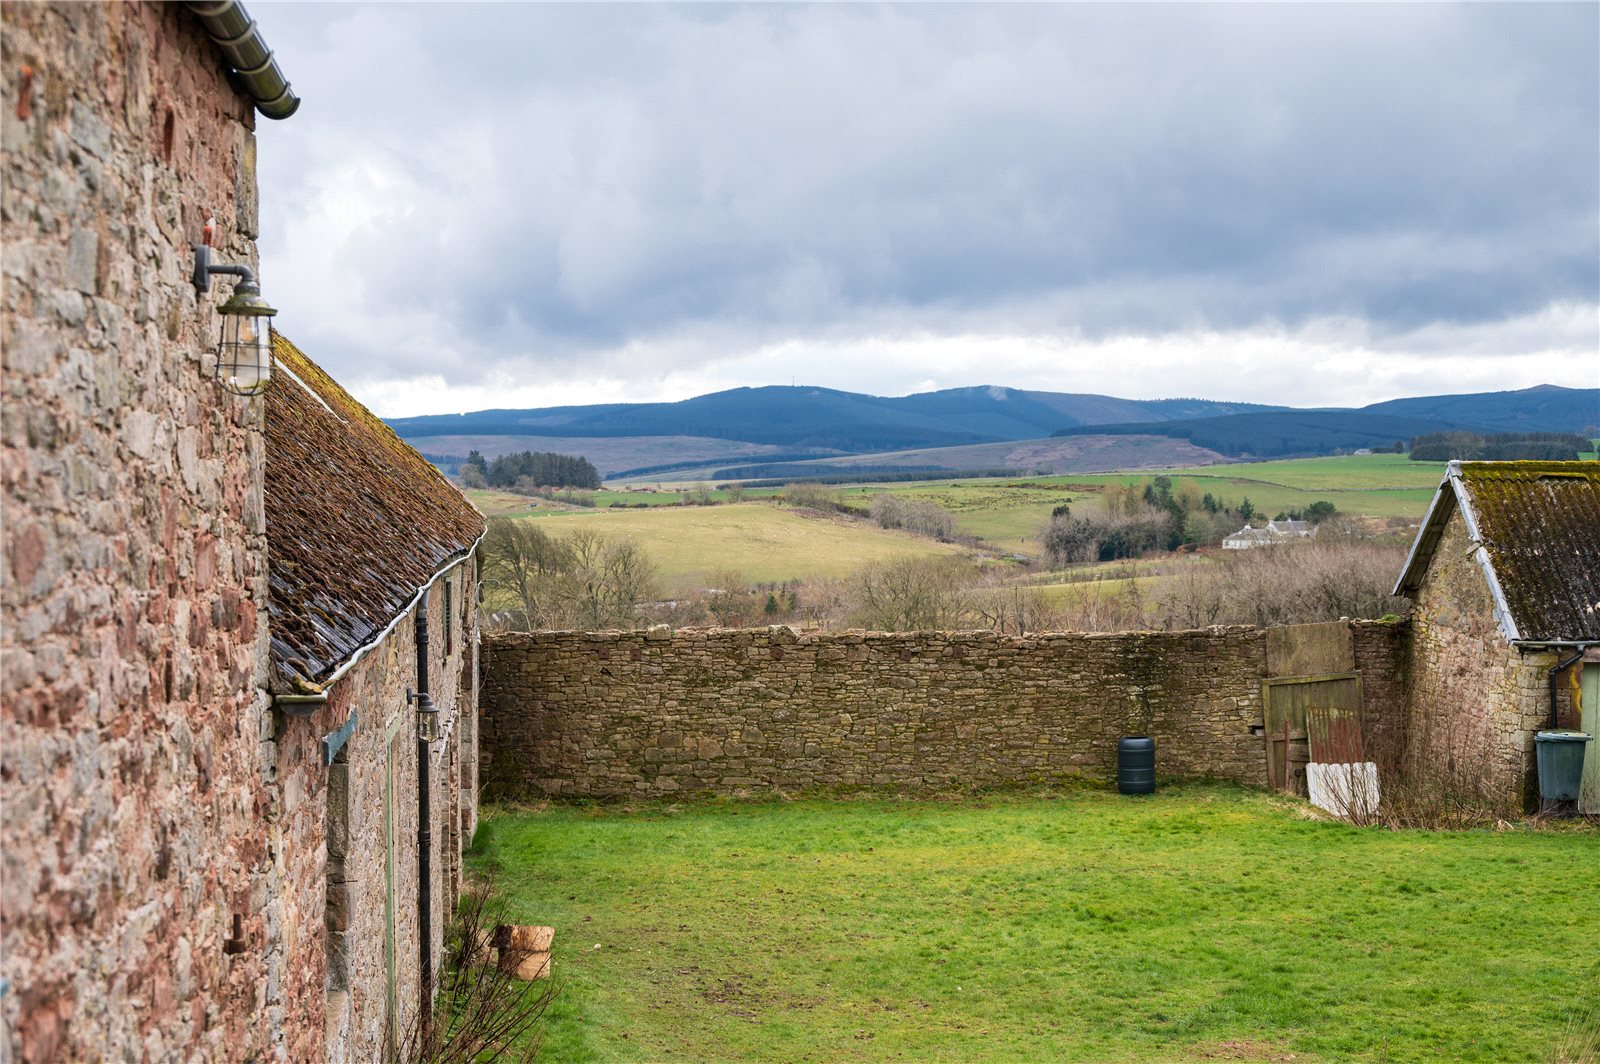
1280	433
972	428
827	420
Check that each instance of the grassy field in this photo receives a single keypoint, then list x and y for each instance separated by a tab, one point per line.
1008	515
1207	922
762	543
1377	485
1011	515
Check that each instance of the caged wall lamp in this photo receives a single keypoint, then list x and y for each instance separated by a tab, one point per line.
427	716
244	356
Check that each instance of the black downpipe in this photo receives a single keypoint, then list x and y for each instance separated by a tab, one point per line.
1554	672
424	830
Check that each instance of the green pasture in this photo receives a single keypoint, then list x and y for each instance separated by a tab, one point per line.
1203	923
760	542
1007	515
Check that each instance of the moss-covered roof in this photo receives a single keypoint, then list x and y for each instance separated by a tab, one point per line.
1536	526
357	522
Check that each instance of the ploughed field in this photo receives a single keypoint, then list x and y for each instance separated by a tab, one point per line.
1206	922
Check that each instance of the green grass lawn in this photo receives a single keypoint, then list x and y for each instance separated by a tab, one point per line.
1206	922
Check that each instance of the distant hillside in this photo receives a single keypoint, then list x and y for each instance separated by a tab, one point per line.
1305	432
826	419
610	454
776	424
1545	408
1296	432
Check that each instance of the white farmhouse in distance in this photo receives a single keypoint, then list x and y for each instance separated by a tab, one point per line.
1275	532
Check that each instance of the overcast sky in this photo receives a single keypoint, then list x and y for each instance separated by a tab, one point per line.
508	205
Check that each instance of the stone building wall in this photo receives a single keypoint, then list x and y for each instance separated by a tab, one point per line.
364	806
133	887
662	713
1475	701
1380	655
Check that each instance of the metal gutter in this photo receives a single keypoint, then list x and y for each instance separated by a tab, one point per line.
239	39
305	705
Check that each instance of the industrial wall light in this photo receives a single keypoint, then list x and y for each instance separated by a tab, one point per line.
427	716
244	356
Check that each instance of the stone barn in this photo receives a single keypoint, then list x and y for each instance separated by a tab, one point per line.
212	603
1505	581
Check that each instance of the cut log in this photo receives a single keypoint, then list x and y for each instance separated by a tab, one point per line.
524	951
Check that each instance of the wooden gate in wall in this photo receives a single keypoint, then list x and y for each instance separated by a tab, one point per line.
1292	708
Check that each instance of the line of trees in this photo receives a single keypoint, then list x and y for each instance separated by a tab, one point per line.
529	469
1497	446
914	515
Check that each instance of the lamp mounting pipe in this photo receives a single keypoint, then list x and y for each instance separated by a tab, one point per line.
204	268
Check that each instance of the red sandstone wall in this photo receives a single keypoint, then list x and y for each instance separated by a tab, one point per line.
133	553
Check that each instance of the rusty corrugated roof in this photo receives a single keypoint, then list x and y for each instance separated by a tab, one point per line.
1536	526
357	522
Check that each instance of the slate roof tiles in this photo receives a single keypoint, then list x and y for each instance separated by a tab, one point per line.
357	523
1538	527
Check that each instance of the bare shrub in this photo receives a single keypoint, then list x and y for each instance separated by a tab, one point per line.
1289	583
1102	605
1194	598
483	1011
812	496
1122	532
1442	774
696	495
732	602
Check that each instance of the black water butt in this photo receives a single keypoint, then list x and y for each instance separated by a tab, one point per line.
1136	764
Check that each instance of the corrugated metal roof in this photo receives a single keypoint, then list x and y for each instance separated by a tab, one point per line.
357	521
1537	529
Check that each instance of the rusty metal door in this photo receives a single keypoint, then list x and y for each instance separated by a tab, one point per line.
1289	704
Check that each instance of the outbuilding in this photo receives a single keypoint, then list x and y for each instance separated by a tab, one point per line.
1504	577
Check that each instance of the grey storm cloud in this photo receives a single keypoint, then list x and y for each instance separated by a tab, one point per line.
544	182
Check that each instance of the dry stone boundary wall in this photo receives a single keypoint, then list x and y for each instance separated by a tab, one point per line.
585	715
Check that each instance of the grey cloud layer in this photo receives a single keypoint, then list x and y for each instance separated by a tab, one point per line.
548	182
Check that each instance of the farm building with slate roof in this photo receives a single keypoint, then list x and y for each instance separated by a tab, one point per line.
372	592
213	604
1505	582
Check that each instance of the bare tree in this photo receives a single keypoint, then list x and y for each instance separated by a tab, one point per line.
912	594
1012	609
519	556
605	580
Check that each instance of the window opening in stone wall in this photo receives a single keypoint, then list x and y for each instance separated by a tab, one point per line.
449	614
